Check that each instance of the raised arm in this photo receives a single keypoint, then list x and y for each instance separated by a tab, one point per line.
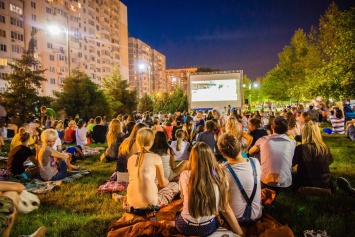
162	181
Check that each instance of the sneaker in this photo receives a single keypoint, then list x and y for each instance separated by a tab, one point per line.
344	185
38	233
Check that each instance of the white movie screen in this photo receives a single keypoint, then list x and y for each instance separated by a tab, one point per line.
214	90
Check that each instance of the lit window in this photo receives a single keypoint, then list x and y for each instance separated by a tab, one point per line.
3	62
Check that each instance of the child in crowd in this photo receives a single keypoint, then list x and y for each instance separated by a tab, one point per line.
18	155
204	189
143	169
180	146
49	168
166	153
243	168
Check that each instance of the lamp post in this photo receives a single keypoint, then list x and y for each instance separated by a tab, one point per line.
142	66
56	30
173	80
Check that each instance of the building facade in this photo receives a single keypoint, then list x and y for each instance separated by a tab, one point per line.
88	35
178	78
146	68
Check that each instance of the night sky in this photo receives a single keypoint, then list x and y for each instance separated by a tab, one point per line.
223	34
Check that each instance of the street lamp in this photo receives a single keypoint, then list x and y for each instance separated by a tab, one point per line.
55	30
174	79
254	85
142	66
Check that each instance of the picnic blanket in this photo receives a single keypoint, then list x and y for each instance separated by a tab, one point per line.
112	187
89	151
133	225
39	186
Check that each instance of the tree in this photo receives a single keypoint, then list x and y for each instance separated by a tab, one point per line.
178	100
146	103
82	96
121	100
24	82
335	39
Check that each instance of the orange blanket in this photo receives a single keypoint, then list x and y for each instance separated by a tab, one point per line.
132	225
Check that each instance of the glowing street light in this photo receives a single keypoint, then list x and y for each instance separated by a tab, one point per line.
142	67
55	30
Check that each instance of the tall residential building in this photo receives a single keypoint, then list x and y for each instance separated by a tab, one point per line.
146	68
88	35
178	77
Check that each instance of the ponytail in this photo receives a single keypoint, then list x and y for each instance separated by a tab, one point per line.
180	135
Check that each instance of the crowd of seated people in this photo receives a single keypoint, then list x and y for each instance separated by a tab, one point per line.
162	155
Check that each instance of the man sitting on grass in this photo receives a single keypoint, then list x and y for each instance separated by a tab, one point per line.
276	153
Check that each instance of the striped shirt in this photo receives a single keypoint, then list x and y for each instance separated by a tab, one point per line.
338	125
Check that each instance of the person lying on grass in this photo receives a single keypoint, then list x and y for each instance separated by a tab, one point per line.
53	165
143	169
166	153
204	189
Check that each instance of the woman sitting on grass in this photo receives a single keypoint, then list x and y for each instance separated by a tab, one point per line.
69	133
81	133
313	159
126	149
114	139
204	189
166	153
180	146
53	165
144	168
233	127
18	155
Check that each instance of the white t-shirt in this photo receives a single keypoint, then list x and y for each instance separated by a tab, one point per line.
80	136
57	143
183	153
244	171
168	172
143	193
276	154
183	187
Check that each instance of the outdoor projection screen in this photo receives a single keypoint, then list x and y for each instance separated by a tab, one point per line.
218	89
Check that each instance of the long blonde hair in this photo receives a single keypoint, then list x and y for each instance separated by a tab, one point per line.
232	127
46	135
128	142
113	129
180	135
205	174
311	134
144	141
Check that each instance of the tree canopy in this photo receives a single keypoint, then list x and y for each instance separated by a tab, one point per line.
120	99
22	96
82	96
321	62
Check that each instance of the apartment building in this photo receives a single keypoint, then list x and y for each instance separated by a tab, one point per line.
146	68
87	35
178	78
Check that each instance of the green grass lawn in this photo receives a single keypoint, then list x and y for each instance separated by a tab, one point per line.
76	209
